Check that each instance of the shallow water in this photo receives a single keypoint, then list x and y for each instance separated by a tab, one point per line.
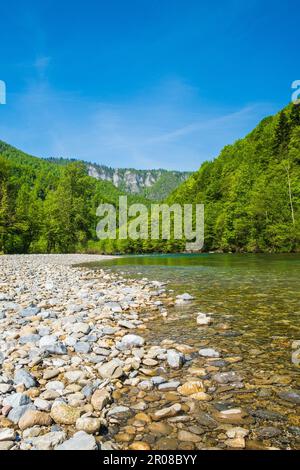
260	293
255	302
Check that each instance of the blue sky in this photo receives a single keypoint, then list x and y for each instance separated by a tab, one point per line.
143	83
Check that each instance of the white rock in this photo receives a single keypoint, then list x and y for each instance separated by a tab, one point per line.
203	319
146	385
42	405
49	441
7	434
175	359
80	441
129	342
185	297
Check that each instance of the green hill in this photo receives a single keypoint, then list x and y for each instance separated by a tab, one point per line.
47	207
251	191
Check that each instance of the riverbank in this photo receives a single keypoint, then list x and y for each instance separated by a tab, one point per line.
80	370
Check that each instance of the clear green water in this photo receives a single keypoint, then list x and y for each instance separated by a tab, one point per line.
258	294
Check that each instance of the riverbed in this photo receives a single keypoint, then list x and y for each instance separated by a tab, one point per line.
149	353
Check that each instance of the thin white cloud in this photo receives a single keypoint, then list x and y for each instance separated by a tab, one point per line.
41	65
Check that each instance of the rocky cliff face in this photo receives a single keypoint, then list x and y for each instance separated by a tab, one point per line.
155	184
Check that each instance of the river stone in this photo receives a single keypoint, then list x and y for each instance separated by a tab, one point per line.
189	388
30	311
267	415
50	344
146	385
49	441
187	436
166	443
88	390
150	362
74	376
55	385
201	396
160	428
62	413
5	388
292	396
16	413
100	399
111	370
6	445
237	432
204	419
22	376
81	328
236	443
157	380
42	405
186	297
169	386
1	358
50	374
82	347
16	399
203	320
209	352
167	412
296	357
175	359
80	441
34	418
232	415
129	342
126	324
89	425
118	411
139	445
29	339
267	432
226	377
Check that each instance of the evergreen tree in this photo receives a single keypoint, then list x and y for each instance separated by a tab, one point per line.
282	134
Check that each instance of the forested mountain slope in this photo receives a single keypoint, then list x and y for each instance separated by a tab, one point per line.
251	191
152	184
251	194
46	207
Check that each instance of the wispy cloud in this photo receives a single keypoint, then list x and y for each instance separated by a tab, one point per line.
168	126
41	65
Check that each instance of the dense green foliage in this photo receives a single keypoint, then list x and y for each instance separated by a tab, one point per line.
165	185
45	207
251	191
